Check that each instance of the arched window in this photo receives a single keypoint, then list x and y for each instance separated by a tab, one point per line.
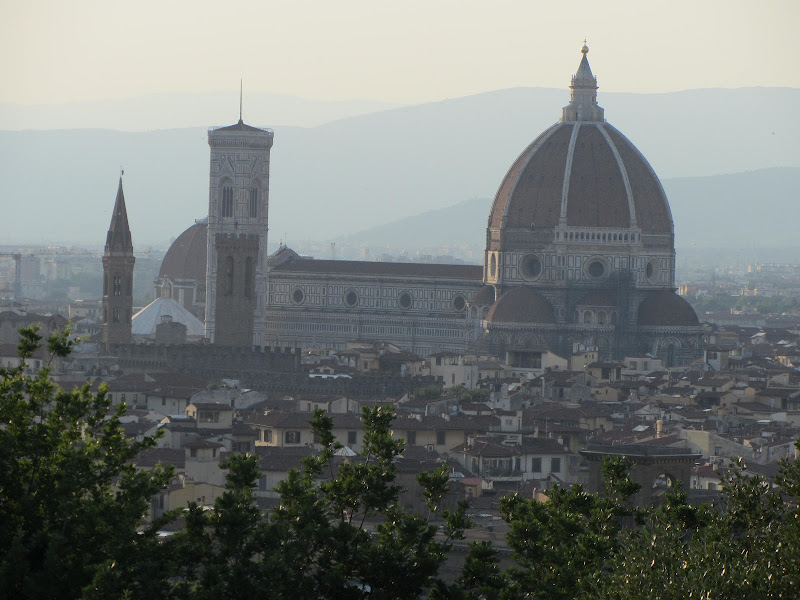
117	285
254	203
115	314
227	200
229	276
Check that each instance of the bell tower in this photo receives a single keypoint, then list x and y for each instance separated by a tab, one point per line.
238	204
118	276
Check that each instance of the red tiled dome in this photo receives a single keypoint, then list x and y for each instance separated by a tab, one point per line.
666	309
521	305
603	178
186	257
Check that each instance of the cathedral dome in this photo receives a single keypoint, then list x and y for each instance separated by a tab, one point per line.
582	173
664	308
186	257
521	305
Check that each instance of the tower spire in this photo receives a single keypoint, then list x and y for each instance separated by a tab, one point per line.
583	97
118	238
118	261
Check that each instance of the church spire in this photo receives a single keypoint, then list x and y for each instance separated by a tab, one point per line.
583	97
118	238
118	261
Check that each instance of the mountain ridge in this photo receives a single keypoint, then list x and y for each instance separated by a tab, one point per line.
361	171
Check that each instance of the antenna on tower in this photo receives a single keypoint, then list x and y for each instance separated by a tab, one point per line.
240	100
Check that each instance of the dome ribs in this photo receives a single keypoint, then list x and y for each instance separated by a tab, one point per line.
652	209
597	194
533	197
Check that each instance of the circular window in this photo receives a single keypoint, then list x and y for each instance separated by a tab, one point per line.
530	266
405	301
351	299
459	303
493	266
596	269
298	296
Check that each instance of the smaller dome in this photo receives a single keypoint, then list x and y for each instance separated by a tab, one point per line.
665	308
144	322
483	297
521	305
186	257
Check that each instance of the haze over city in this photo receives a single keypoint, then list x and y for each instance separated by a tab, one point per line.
365	299
175	66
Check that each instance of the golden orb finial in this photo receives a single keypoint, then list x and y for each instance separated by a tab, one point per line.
585	49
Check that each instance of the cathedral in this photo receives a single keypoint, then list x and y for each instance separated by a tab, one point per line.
579	250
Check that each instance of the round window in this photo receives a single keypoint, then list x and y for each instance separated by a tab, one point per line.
596	269
405	300
351	299
493	266
459	303
530	266
298	296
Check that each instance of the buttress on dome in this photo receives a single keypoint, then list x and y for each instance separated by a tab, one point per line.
664	308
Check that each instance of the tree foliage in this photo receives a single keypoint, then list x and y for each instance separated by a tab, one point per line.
339	531
70	499
71	505
746	547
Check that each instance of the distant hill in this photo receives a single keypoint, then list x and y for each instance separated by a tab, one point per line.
741	210
179	110
352	174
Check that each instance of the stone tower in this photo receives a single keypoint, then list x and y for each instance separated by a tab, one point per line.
238	203
118	276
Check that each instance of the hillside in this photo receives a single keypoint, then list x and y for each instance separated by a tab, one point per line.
356	173
741	210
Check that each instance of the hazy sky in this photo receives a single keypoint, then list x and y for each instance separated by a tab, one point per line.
411	51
